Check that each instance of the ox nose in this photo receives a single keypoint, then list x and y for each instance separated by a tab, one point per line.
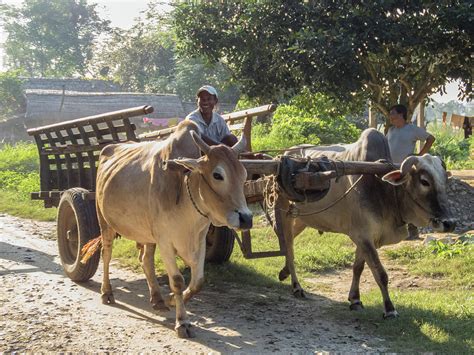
444	225
245	220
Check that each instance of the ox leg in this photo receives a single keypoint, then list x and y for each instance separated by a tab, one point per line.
148	263
290	229
197	270
354	293
183	326
380	276
108	236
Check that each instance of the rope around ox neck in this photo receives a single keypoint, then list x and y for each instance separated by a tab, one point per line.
186	179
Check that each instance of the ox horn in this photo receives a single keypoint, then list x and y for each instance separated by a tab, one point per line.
241	145
407	164
200	143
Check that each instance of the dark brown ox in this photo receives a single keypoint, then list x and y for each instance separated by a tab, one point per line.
375	212
147	193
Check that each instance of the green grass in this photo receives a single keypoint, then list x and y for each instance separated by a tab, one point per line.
19	166
456	269
14	204
437	321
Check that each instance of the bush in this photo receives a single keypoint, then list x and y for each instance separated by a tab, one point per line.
19	165
12	100
308	118
451	146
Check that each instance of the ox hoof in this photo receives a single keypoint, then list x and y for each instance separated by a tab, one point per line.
185	331
356	306
390	315
284	273
160	306
108	298
299	293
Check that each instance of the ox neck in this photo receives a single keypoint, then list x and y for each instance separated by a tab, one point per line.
187	179
398	191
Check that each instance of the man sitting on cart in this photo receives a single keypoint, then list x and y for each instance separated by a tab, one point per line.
213	128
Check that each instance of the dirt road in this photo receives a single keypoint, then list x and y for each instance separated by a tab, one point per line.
42	310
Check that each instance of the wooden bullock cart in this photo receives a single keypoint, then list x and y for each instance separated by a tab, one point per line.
69	153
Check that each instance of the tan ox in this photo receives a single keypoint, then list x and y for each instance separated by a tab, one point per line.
145	194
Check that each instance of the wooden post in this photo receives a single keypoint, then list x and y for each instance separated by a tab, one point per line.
420	120
372	120
445	114
247	132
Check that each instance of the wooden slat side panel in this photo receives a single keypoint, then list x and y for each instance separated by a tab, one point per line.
58	164
91	161
96	135
80	160
67	159
80	178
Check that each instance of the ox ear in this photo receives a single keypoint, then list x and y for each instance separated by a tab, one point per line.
395	178
188	163
401	176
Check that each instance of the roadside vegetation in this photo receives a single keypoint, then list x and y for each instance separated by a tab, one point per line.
450	145
19	176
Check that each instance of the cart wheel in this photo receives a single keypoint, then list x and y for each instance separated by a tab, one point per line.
219	244
76	225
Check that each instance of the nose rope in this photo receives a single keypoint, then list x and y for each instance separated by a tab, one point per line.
186	180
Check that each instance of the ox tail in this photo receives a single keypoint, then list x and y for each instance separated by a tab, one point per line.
90	249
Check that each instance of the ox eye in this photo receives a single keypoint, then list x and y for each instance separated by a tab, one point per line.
424	182
218	176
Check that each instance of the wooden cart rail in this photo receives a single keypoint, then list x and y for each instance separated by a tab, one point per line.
231	119
69	150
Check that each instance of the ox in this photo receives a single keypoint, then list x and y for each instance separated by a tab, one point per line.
374	213
147	193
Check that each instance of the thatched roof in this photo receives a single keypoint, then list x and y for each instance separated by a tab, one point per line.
49	106
90	85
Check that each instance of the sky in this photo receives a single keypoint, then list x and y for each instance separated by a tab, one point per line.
122	13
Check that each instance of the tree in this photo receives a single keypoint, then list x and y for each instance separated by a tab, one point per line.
145	59
307	118
12	100
388	51
51	37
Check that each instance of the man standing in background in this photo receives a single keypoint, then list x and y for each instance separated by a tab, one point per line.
402	137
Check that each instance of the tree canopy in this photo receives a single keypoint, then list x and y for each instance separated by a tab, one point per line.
145	59
51	37
388	51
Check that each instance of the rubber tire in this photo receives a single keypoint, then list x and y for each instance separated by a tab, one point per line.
219	244
77	215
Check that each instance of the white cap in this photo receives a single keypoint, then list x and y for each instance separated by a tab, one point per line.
208	88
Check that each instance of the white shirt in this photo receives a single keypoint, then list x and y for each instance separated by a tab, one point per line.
217	128
402	140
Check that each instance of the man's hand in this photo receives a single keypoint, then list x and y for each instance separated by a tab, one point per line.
428	143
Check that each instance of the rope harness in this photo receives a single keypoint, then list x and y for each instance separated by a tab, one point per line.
186	179
271	191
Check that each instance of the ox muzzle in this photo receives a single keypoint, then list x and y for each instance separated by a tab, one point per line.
245	220
443	225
